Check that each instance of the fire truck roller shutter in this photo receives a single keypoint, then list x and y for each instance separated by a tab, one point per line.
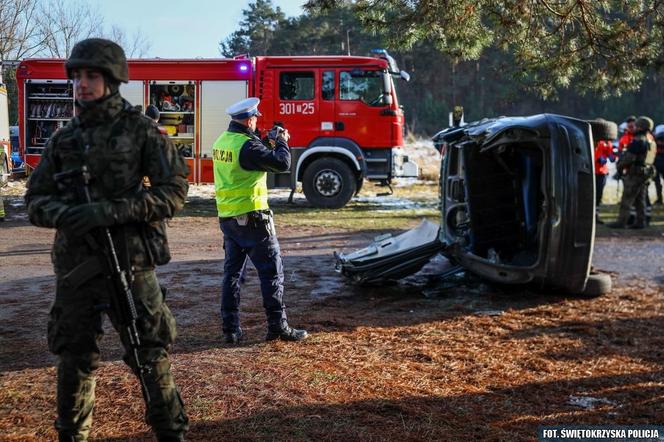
216	96
330	174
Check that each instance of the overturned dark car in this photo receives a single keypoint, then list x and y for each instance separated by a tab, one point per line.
517	207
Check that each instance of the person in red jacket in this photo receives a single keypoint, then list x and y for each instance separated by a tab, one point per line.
628	134
603	154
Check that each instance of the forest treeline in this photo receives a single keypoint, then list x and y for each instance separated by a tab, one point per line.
485	87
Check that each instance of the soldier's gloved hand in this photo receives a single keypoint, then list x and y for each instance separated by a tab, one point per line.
81	219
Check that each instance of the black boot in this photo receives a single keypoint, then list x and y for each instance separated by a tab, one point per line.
233	337
286	333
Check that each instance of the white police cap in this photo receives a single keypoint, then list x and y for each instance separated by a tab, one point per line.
244	109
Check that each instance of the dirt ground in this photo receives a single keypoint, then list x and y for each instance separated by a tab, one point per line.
408	361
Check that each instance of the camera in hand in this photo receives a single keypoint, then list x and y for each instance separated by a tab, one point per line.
275	132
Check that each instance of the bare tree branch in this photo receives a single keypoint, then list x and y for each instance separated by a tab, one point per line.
18	37
62	23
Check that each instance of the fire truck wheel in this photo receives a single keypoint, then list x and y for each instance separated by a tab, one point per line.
360	183
329	183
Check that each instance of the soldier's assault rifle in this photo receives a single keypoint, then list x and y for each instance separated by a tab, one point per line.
123	301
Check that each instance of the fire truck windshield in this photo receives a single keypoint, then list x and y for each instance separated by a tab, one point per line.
366	86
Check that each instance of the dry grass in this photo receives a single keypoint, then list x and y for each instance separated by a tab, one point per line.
401	362
390	366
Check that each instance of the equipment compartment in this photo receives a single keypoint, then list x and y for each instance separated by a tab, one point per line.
176	103
49	105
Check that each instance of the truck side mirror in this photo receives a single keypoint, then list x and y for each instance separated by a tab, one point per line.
387	89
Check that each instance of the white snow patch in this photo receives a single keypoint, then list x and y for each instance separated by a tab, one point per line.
588	402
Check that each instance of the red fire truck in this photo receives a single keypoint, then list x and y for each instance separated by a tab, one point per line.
342	112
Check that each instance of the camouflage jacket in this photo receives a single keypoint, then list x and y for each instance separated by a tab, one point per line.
638	157
119	146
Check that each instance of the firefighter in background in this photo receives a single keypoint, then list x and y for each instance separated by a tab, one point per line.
628	134
154	114
636	167
603	154
659	161
241	162
119	146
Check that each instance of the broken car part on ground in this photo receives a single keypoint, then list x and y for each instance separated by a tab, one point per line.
517	207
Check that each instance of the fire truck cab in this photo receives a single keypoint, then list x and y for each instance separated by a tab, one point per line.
342	113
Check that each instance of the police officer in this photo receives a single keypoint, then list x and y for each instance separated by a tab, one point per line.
636	166
241	161
119	146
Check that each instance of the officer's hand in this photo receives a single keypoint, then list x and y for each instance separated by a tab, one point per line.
81	219
601	160
285	135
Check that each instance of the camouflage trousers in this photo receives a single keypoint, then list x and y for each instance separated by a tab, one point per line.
74	334
634	194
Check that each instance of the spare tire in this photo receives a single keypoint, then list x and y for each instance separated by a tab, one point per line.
603	129
175	90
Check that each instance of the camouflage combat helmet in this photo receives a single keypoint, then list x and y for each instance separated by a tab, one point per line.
644	123
98	53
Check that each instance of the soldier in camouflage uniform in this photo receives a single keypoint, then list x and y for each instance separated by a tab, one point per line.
636	167
119	146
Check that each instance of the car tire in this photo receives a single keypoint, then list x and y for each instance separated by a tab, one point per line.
603	129
329	183
597	284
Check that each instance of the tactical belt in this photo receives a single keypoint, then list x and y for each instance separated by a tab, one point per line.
256	215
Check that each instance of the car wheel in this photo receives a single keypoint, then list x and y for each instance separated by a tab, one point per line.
597	284
603	130
329	183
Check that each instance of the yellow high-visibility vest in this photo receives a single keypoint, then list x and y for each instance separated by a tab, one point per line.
237	190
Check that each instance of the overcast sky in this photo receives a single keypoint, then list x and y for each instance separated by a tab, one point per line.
184	28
